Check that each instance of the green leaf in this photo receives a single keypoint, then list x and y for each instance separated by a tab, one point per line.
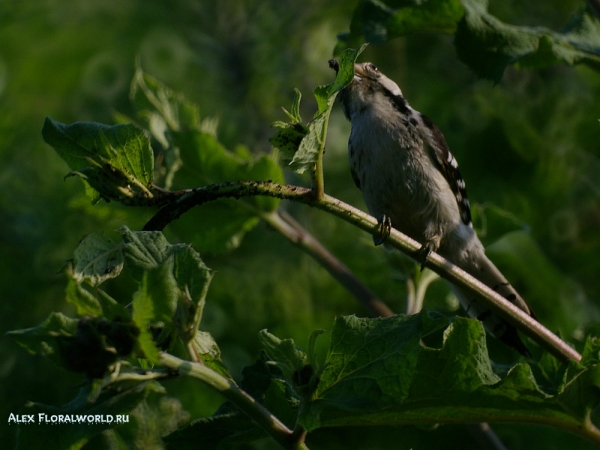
483	42
174	282
219	226
191	273
591	351
209	352
159	293
88	345
204	159
44	339
78	431
378	373
285	353
313	142
295	114
488	45
218	432
87	304
97	259
162	107
377	21
193	279
155	304
145	250
288	138
282	401
207	161
345	73
370	365
116	161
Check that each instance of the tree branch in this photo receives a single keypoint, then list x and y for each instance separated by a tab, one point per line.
497	303
292	230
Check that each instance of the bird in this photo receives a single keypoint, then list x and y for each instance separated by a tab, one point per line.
410	181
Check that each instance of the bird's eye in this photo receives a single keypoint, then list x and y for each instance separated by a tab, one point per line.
373	67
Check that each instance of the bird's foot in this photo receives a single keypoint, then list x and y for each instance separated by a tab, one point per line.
426	249
385	228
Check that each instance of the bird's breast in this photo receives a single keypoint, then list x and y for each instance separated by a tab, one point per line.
397	176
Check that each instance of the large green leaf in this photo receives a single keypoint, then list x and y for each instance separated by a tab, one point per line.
364	354
488	45
483	42
377	21
378	373
194	157
147	251
116	161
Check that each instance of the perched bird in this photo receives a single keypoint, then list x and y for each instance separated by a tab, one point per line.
401	162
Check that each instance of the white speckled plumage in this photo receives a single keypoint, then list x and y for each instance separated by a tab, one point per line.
401	162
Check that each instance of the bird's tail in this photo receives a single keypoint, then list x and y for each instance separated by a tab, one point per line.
486	272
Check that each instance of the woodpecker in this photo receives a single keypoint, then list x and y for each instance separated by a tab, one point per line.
410	180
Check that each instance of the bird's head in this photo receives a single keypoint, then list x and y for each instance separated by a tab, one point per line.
368	87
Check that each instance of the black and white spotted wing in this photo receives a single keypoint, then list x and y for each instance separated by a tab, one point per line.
448	166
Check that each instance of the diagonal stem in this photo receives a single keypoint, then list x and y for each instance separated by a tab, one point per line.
299	236
257	412
498	304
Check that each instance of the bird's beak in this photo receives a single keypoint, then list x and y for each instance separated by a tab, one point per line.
358	72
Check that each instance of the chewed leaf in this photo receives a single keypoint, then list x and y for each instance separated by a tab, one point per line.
288	138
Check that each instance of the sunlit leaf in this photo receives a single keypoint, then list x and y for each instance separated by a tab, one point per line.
97	259
116	161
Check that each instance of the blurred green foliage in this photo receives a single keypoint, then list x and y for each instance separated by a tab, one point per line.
528	149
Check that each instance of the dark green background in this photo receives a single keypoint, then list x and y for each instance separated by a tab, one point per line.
528	148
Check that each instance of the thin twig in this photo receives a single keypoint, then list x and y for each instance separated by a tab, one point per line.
299	236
